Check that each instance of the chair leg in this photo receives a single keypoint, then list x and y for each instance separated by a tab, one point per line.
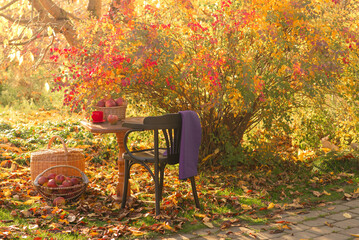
162	173
194	191
125	184
157	191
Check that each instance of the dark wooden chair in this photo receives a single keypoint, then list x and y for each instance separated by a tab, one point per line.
156	157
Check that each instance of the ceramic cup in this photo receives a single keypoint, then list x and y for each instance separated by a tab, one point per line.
97	116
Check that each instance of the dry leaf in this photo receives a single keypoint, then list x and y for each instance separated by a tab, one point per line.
208	224
328	224
276	231
347	195
326	193
226	224
317	194
347	215
246	207
286	227
200	215
270	206
71	217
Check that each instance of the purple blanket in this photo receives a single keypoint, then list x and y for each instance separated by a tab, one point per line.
190	141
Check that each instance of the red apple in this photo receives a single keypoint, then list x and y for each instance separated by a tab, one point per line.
60	190
112	119
51	176
52	183
101	103
59	201
59	179
75	181
67	183
110	103
42	180
120	101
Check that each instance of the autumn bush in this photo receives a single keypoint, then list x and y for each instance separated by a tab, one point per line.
238	64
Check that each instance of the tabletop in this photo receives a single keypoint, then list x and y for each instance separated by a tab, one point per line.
106	127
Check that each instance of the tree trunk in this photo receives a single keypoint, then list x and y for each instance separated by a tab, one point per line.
60	21
95	8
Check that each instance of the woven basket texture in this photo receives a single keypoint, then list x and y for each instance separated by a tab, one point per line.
46	158
69	193
120	111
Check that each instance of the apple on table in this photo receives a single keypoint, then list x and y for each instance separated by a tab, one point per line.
112	119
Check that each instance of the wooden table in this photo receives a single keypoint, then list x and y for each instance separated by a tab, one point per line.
120	133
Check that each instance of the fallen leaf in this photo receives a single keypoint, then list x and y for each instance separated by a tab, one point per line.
168	227
226	224
271	205
200	215
347	215
6	192
347	195
71	217
286	227
316	193
326	193
328	224
276	231
246	207
208	224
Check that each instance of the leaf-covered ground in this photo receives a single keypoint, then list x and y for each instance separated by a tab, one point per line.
241	195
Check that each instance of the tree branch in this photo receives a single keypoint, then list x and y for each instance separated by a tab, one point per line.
60	25
26	41
53	9
41	58
8	5
10	19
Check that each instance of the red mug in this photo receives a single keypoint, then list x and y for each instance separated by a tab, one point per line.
97	116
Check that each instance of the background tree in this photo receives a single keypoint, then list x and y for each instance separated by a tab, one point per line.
29	28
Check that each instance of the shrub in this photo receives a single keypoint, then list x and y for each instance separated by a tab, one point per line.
237	64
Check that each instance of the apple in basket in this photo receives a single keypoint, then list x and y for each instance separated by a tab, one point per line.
67	183
112	119
59	179
101	103
51	176
42	180
110	103
120	101
52	183
75	181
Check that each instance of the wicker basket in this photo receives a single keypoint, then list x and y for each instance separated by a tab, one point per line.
69	193
120	111
47	158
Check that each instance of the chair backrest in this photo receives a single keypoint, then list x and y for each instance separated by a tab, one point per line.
171	125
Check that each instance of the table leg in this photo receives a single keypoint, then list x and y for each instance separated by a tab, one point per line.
121	165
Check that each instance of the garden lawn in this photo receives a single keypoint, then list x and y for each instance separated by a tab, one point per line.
245	194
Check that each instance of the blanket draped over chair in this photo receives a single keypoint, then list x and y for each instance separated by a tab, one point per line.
191	135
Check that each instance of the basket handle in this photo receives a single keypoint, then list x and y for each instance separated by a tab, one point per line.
63	143
84	177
